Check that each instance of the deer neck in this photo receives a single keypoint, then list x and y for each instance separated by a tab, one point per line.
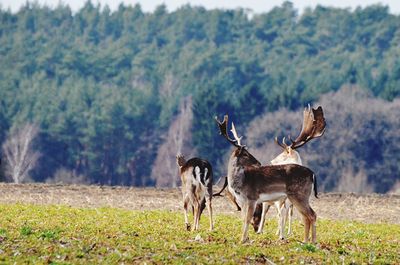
298	159
235	172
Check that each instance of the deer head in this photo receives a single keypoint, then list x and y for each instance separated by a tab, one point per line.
288	155
313	127
180	160
244	158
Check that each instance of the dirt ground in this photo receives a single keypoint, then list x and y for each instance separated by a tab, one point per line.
369	208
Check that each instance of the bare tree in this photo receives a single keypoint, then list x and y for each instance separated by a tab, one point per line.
351	181
177	140
395	189
20	157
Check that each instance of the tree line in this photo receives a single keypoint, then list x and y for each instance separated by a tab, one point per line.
109	90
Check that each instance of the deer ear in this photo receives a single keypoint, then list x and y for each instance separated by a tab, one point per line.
180	160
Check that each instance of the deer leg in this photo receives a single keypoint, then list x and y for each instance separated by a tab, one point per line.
196	211
306	229
248	214
278	208
282	220
185	211
198	217
309	217
290	218
265	208
313	221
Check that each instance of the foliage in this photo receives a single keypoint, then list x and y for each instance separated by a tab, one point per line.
61	234
104	86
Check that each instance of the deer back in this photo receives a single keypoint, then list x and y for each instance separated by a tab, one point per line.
199	169
287	179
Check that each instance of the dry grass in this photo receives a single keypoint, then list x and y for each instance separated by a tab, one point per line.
369	208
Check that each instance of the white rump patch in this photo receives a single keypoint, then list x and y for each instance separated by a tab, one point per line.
197	174
206	177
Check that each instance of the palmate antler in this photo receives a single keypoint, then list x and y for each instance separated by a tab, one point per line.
313	126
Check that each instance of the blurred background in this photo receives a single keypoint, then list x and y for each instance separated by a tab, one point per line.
101	94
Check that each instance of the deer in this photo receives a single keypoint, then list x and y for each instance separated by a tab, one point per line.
313	127
283	207
197	180
251	184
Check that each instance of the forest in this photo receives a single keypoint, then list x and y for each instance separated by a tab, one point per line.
110	97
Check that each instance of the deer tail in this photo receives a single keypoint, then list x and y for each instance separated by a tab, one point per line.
225	184
315	186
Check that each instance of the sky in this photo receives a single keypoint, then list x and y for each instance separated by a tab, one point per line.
257	6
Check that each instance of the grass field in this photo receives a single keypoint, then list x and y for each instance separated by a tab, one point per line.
60	234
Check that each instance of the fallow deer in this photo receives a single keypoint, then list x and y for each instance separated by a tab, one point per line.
197	179
283	206
252	183
313	127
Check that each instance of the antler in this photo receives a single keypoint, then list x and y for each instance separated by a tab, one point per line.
313	126
224	132
283	144
235	135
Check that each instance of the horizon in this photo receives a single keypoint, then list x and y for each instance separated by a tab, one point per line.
255	7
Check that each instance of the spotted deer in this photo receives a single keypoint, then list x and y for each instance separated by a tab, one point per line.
313	127
250	183
197	179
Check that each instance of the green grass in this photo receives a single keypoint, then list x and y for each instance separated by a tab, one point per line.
64	235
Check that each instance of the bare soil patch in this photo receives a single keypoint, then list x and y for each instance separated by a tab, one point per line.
368	208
